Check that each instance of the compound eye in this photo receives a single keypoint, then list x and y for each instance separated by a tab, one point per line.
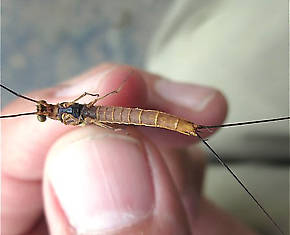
41	118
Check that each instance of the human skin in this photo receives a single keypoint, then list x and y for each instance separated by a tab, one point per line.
60	179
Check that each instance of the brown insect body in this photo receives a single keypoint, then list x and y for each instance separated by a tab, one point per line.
71	113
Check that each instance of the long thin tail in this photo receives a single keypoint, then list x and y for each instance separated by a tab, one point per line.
244	123
242	184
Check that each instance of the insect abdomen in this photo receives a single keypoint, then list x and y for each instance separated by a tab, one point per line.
142	117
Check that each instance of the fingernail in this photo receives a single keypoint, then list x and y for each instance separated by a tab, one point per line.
102	182
89	82
187	95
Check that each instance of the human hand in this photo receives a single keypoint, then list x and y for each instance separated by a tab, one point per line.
91	180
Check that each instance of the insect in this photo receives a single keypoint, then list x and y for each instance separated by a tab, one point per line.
73	113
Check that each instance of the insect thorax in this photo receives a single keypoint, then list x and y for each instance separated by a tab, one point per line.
70	114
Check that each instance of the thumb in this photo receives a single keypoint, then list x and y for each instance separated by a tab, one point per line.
100	181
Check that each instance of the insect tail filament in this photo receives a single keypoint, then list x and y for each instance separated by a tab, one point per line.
241	183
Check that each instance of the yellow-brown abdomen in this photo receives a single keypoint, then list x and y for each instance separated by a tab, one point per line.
143	117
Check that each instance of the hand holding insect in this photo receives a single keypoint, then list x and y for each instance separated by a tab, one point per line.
96	179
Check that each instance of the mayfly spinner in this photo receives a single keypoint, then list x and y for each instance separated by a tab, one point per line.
73	113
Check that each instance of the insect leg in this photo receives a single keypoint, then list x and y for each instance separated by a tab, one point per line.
111	127
110	93
102	97
81	96
107	126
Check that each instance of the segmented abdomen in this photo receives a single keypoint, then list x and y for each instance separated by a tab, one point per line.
137	116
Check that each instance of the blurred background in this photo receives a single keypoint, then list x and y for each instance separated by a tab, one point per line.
240	47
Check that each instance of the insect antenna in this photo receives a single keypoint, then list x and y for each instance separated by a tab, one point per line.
241	183
244	123
22	96
19	95
18	114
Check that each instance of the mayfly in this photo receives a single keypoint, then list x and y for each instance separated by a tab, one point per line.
73	113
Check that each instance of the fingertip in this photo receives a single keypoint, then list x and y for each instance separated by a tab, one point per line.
191	101
216	111
195	103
